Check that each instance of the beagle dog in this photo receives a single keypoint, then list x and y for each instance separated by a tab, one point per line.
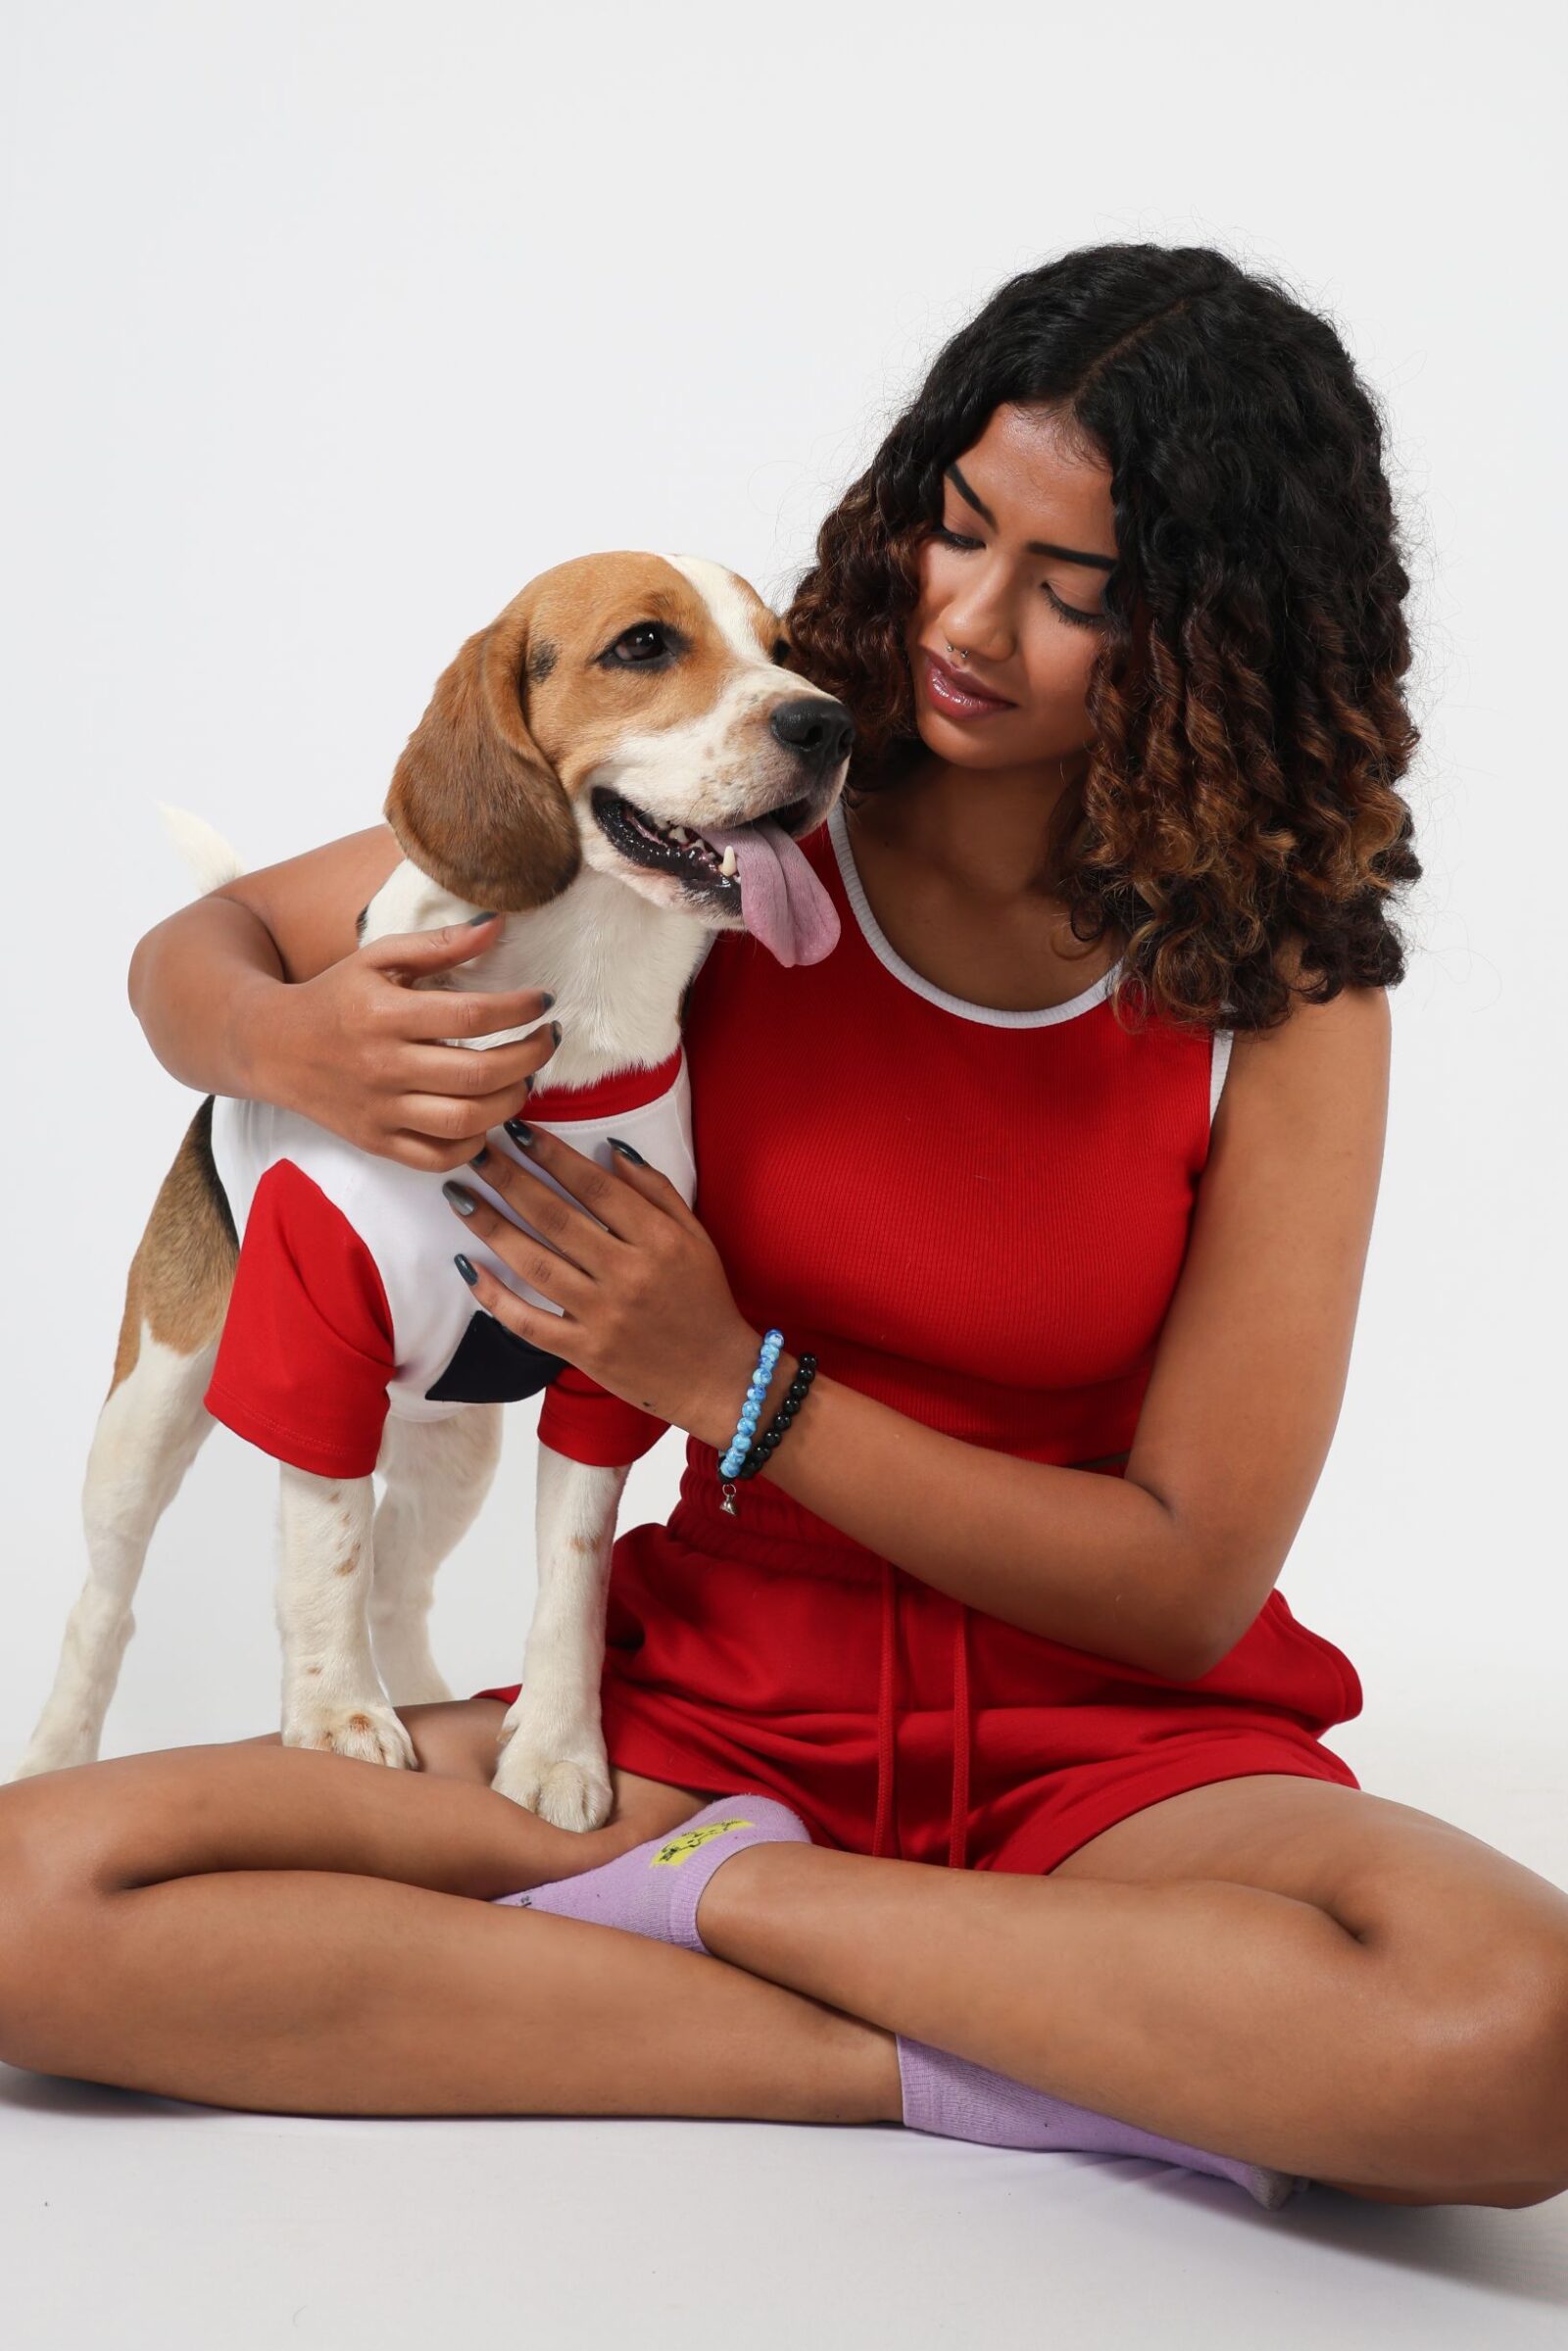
620	765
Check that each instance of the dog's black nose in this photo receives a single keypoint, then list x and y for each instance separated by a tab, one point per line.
820	729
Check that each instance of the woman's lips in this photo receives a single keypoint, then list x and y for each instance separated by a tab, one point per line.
949	693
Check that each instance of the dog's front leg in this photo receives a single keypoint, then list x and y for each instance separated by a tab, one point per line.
332	1694
553	1761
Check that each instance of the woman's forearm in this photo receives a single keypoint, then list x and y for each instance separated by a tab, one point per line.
205	986
264	991
1095	1562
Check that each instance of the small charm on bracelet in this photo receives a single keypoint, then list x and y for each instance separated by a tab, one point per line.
728	1502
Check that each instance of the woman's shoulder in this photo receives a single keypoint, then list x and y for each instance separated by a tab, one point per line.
1324	1067
1350	1011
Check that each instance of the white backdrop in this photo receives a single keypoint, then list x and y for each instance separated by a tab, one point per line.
331	324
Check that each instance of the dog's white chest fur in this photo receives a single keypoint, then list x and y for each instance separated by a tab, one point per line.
616	965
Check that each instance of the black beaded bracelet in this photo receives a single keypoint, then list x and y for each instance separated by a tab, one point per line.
773	1432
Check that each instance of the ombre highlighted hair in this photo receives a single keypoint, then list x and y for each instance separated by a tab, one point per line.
1239	822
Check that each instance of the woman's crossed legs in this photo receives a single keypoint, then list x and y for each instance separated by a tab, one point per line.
1292	1972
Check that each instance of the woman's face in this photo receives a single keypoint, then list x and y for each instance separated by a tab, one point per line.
1014	578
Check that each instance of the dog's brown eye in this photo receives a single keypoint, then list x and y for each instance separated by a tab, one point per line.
782	650
644	641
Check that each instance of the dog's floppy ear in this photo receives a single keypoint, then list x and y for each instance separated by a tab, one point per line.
474	803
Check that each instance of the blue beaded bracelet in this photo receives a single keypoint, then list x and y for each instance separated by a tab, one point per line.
767	1354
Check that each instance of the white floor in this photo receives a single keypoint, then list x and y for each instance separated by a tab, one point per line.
132	2224
131	2221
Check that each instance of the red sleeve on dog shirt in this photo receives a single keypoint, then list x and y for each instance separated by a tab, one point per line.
305	1358
587	1423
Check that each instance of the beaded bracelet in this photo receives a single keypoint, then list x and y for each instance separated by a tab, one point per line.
756	1456
773	1432
739	1445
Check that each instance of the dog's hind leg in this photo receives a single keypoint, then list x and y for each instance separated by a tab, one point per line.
149	1431
437	1475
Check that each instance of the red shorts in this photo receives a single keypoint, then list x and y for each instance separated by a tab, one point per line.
769	1652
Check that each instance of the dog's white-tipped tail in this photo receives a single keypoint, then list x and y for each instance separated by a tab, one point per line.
213	859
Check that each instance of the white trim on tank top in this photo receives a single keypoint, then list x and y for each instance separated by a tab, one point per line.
1219	1060
887	955
885	951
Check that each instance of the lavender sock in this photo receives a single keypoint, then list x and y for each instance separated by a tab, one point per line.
955	2099
655	1887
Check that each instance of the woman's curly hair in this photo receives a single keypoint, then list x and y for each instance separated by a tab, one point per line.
1238	809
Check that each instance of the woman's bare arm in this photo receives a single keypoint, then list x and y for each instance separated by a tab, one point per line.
289	921
259	990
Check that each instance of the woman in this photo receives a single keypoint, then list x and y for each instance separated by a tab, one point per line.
1117	609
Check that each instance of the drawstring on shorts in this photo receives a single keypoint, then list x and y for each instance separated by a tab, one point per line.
884	1835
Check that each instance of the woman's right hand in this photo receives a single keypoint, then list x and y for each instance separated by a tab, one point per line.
359	1048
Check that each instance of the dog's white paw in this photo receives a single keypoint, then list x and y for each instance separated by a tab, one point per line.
570	1791
369	1731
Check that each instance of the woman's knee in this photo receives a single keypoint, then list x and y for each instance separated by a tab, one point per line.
1491	2054
45	1932
40	1821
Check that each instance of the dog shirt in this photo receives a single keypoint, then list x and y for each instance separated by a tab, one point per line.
346	1305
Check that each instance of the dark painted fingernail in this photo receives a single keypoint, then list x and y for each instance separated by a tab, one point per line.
467	1271
546	999
528	1088
520	1133
480	1156
616	1145
463	1202
474	921
555	1030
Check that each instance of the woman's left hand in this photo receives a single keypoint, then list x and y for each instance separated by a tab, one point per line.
648	1311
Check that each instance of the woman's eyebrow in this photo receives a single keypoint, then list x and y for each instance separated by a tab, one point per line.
1068	554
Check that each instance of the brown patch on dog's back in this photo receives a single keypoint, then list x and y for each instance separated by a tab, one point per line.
184	1269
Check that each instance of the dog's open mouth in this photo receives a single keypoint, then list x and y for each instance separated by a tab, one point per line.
670	848
754	870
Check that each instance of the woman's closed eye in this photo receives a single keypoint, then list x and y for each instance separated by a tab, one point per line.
1068	611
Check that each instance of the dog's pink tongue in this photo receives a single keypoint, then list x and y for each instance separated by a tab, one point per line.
782	902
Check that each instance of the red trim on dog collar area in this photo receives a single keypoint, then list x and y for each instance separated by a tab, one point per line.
602	1097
